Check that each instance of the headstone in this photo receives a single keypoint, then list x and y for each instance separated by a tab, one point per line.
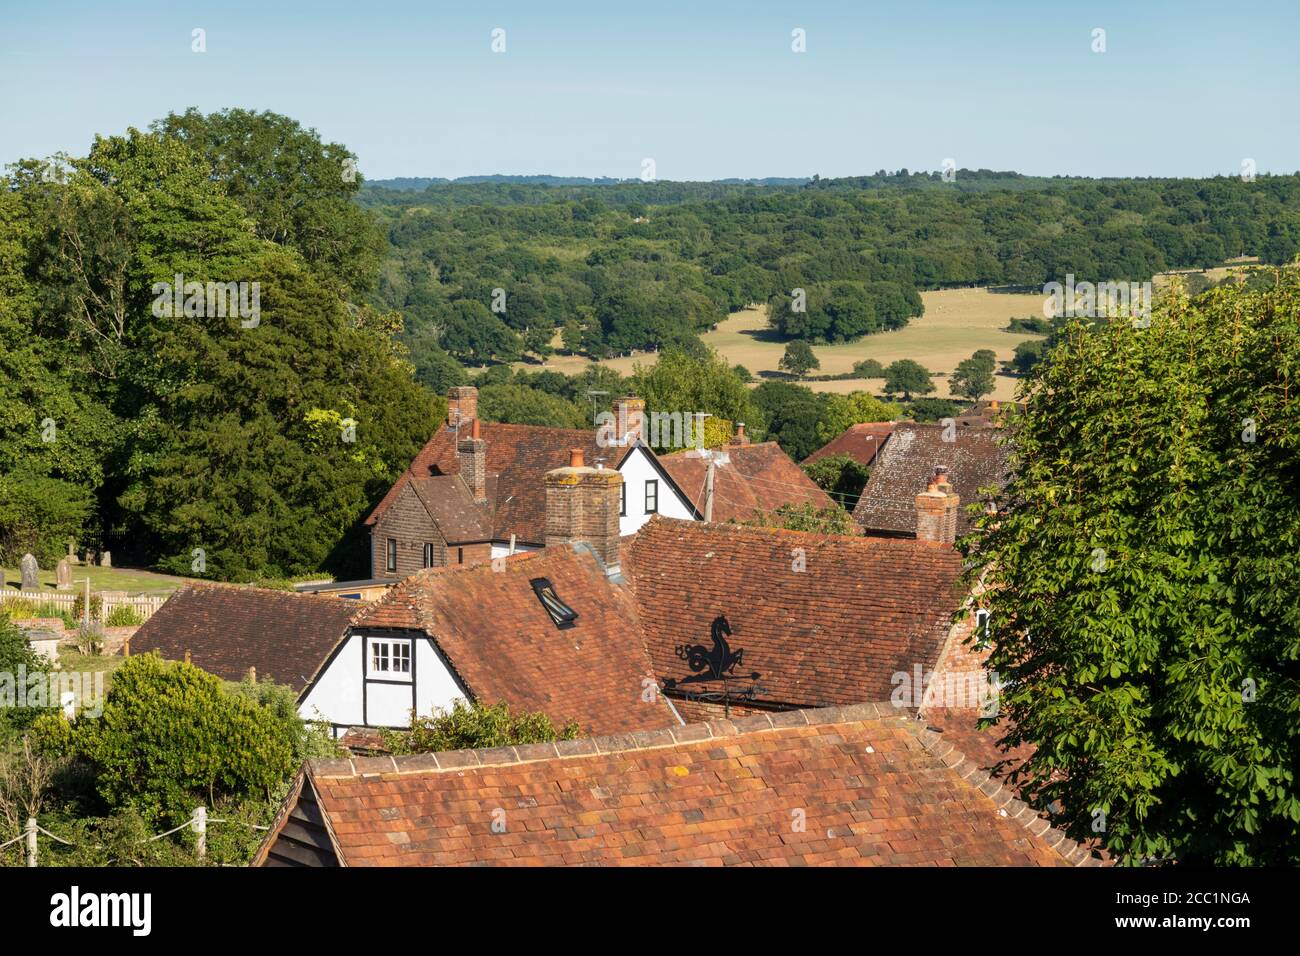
72	551
106	559
28	568
90	557
63	575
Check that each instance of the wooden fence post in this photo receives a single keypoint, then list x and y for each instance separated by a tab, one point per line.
201	831
31	841
85	611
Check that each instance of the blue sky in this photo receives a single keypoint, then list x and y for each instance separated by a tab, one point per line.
707	89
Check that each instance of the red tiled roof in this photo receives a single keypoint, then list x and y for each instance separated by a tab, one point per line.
860	442
495	635
757	477
975	458
860	611
517	458
855	786
227	630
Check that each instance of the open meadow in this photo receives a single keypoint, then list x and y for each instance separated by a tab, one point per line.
956	323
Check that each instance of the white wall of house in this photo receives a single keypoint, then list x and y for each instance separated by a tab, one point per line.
636	470
352	691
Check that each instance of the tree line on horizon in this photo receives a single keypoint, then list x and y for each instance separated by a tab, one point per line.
494	272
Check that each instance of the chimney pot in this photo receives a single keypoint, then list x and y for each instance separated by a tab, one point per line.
582	504
936	510
471	451
629	419
462	405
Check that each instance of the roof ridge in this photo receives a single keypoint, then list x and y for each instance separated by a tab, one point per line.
615	743
252	589
1008	804
852	540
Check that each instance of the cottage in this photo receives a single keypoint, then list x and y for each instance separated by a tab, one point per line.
475	491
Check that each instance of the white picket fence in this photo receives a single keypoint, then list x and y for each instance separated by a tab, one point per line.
144	605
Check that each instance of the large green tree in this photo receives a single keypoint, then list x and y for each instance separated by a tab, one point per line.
261	439
297	190
1144	581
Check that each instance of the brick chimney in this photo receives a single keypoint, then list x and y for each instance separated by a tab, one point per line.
582	505
629	417
740	438
936	510
471	450
462	405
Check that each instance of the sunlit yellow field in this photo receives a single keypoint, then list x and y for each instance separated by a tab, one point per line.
957	322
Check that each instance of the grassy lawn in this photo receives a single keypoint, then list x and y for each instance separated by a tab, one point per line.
957	323
130	580
76	662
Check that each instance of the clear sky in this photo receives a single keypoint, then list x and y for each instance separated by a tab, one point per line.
707	89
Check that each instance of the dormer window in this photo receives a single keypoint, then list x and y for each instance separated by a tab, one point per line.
560	613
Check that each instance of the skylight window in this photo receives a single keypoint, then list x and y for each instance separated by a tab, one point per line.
561	614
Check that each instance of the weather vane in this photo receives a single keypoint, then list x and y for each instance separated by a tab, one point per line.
718	662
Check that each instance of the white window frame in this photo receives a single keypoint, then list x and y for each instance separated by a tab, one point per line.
983	627
391	653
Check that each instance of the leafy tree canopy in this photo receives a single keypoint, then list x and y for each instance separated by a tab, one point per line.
1145	583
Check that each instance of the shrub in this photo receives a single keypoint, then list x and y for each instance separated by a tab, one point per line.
806	517
17	608
96	607
90	639
1034	323
468	726
171	737
124	616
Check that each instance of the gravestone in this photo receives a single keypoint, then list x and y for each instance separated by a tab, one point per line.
106	559
63	575
28	568
72	552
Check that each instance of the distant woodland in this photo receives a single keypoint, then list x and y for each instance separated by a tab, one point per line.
636	266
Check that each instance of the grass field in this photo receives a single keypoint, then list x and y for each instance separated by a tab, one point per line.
130	580
957	322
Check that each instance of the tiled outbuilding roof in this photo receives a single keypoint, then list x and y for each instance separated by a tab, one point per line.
491	628
227	629
823	619
845	786
759	477
860	442
975	458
